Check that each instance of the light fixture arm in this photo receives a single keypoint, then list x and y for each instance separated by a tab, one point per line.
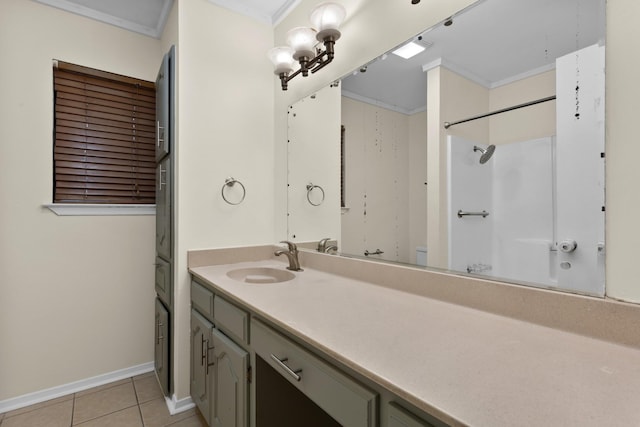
314	64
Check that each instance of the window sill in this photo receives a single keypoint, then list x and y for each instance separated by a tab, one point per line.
81	209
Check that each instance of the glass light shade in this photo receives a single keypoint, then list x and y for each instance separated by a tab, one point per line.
327	16
282	58
302	40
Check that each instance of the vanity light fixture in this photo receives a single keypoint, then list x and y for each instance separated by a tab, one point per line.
326	18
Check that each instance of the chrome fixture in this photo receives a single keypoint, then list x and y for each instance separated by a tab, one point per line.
331	249
322	244
567	246
326	18
478	268
486	153
310	187
447	125
292	254
229	183
462	213
376	252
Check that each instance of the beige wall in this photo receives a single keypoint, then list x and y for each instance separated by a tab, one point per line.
225	115
377	181
450	97
533	122
623	151
417	183
76	293
386	161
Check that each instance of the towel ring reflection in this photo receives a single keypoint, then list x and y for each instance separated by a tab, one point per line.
310	188
230	182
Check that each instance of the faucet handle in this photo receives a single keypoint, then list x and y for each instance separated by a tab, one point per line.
292	246
322	244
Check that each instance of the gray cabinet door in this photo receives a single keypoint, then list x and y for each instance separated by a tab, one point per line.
200	356
230	395
163	208
161	350
163	81
399	417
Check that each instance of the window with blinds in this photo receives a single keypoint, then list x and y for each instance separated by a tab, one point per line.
104	137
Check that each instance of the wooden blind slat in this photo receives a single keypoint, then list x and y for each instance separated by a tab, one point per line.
107	163
111	133
112	102
106	146
124	131
95	121
104	139
117	116
105	107
146	172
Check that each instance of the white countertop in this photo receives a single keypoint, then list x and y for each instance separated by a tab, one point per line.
465	366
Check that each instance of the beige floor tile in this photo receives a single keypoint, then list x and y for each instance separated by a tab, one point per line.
146	374
39	405
156	414
193	421
1	417
103	387
55	415
147	388
129	417
103	402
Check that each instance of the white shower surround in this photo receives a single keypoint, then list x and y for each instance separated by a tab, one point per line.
538	193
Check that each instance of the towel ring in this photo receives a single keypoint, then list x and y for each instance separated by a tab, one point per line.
310	188
230	182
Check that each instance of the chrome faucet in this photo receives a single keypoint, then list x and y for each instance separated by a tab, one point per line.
322	245
292	254
331	249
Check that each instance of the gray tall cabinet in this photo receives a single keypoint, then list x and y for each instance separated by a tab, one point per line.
165	144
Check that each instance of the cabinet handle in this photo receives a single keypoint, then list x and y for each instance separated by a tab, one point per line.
158	128
286	368
206	358
203	352
160	172
159	337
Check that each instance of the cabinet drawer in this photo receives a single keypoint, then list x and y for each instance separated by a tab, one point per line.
202	300
163	280
231	319
348	402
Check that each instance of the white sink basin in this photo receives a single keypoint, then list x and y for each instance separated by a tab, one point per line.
261	275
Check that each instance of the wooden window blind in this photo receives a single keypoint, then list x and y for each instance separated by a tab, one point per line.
104	137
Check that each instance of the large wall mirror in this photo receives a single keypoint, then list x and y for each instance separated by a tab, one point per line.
481	154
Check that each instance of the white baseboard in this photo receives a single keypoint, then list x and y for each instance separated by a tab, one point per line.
76	386
176	406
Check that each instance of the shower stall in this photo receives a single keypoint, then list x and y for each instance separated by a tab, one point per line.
533	210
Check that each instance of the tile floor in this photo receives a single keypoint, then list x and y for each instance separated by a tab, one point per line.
132	402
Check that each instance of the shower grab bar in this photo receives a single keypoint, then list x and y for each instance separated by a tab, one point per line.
462	213
447	125
376	252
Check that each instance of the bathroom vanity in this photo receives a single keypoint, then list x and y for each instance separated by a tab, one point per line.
354	343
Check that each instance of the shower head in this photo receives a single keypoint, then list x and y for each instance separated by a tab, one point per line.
486	153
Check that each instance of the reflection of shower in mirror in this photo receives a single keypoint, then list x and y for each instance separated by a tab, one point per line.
486	153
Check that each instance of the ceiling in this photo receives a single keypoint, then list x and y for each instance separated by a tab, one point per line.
149	16
492	43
